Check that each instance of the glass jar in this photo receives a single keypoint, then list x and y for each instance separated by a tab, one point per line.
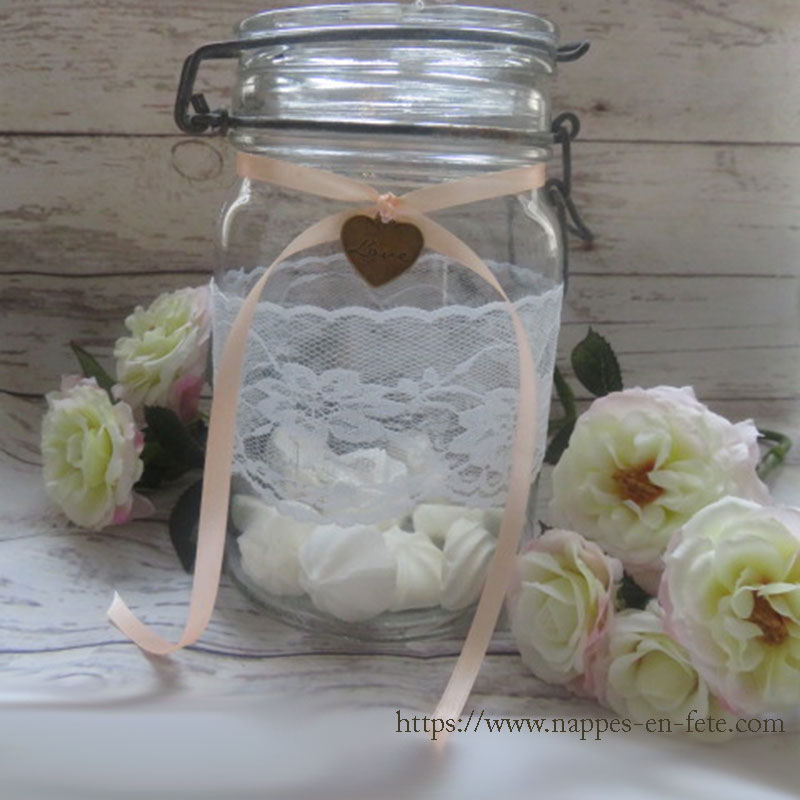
374	424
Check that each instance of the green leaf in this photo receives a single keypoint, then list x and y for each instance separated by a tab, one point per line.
631	594
183	522
558	444
565	394
159	466
91	368
596	366
776	454
164	427
199	432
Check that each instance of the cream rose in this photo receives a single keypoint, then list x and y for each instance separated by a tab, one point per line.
91	452
731	592
640	463
163	361
561	604
642	673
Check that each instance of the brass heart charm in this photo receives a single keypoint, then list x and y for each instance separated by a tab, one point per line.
380	251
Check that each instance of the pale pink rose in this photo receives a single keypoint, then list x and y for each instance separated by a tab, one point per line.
90	450
560	605
184	396
163	361
640	463
138	508
731	593
642	673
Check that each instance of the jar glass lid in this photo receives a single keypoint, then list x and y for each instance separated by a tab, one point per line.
404	68
397	66
473	24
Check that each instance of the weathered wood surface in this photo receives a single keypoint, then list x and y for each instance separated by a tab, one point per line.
676	70
694	272
53	630
57	582
87	205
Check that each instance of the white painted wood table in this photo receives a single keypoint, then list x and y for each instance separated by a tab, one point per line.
259	709
688	170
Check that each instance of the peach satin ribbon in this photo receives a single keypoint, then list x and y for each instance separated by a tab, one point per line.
410	207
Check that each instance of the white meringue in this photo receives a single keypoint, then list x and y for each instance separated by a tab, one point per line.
308	459
369	466
419	569
246	508
269	545
492	517
435	519
348	572
468	549
299	454
415	452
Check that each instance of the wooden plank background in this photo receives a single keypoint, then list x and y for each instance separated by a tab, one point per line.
687	170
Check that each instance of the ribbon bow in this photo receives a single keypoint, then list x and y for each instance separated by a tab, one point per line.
387	206
412	206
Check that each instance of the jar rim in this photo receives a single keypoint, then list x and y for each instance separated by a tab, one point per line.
452	71
471	22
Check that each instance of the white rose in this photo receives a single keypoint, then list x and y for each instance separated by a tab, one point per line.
562	604
642	673
163	361
91	452
640	463
731	592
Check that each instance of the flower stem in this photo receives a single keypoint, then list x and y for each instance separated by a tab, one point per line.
565	395
776	455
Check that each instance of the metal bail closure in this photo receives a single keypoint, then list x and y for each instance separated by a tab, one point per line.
380	251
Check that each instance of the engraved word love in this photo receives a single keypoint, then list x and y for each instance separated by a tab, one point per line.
380	251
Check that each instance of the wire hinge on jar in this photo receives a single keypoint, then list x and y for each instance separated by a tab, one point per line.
566	127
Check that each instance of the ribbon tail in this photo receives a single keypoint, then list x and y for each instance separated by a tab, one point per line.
218	464
491	600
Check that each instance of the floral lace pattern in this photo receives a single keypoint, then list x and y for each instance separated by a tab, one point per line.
357	413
